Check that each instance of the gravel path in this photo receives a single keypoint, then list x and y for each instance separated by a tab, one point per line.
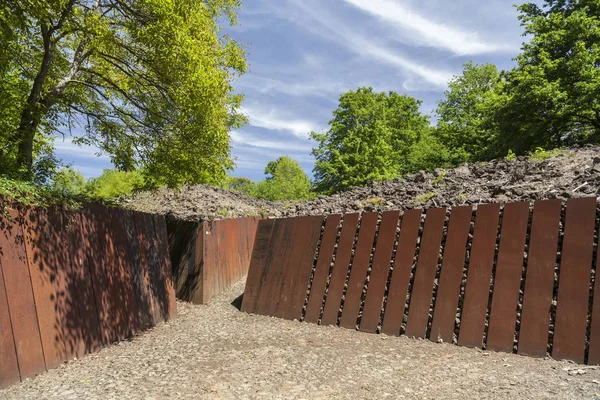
217	352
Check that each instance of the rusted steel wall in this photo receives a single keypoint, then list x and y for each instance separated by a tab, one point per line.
71	283
208	257
517	277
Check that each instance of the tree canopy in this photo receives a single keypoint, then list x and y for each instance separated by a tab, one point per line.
369	139
147	81
552	97
463	114
286	180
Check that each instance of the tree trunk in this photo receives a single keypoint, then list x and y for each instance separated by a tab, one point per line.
35	107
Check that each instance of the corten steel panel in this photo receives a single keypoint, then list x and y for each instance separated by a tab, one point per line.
157	274
160	226
386	239
479	274
111	269
9	368
539	280
94	231
126	303
298	266
407	242
139	269
273	273
66	298
574	280
182	250
260	252
42	255
146	274
594	350
17	282
313	308
82	283
446	303
90	246
428	257
340	269
509	269
358	272
209	272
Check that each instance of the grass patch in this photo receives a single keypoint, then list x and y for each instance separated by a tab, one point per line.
375	201
540	154
425	197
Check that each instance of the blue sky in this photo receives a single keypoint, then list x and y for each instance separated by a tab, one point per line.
303	54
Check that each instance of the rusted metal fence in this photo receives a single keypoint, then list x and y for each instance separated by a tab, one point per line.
72	282
517	277
208	257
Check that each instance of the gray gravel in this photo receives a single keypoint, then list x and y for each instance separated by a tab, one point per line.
572	173
218	352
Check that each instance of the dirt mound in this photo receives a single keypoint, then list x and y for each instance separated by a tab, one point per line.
573	173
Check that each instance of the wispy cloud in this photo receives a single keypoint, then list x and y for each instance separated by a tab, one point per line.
426	31
299	87
272	120
243	138
65	146
331	28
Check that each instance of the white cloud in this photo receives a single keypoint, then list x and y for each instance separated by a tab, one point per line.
307	86
242	138
427	31
330	28
65	146
272	121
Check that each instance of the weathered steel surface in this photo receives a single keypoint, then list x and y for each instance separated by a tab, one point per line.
358	272
67	299
129	321
42	252
149	310
479	275
446	304
394	311
116	322
428	257
160	296
208	257
94	232
9	368
379	271
273	273
182	249
594	350
21	305
574	283
262	245
509	268
160	226
539	281
297	267
319	282
82	285
340	269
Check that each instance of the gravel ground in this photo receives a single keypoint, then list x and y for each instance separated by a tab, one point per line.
572	173
218	352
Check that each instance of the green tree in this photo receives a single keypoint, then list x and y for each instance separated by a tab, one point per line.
68	181
464	114
114	183
287	181
370	137
149	80
552	98
242	185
